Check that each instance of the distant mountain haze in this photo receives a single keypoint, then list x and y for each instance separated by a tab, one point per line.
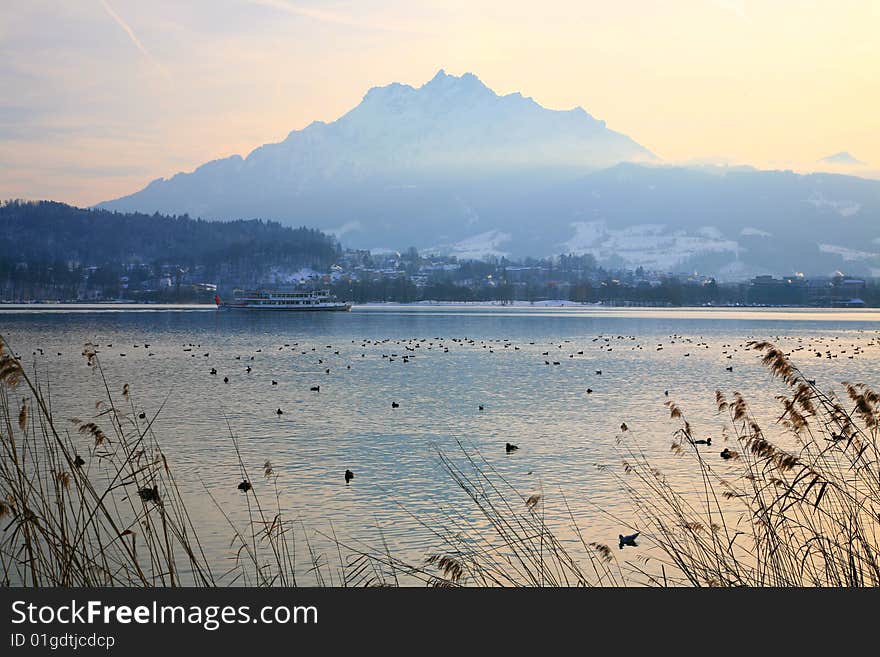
451	167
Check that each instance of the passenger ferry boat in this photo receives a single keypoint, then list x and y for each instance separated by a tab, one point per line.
273	300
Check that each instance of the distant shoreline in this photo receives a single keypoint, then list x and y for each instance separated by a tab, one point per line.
544	303
129	306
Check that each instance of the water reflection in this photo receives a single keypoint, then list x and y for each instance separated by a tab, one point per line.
441	365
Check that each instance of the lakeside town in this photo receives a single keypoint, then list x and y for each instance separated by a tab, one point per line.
53	252
409	277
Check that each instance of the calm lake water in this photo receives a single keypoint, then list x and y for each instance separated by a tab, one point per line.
457	359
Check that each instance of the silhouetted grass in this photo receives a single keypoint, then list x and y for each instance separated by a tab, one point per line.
801	508
802	505
93	502
90	504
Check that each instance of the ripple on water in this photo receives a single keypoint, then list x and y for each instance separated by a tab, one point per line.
401	492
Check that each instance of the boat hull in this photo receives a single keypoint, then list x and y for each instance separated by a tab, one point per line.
298	309
311	301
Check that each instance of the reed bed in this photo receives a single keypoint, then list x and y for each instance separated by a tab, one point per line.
797	508
800	507
507	542
93	502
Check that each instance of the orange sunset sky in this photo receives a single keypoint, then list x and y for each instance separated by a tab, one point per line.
102	96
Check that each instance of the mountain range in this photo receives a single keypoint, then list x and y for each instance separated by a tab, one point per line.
452	167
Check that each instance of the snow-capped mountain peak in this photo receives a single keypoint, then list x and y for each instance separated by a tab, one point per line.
453	166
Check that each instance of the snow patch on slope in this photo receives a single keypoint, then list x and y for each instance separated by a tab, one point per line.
279	276
847	254
843	208
757	232
648	245
476	247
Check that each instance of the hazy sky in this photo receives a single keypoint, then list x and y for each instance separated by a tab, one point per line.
98	97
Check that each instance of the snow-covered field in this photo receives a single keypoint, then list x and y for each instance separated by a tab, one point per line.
475	247
649	245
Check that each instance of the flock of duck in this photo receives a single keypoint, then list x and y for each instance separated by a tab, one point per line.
826	347
326	358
